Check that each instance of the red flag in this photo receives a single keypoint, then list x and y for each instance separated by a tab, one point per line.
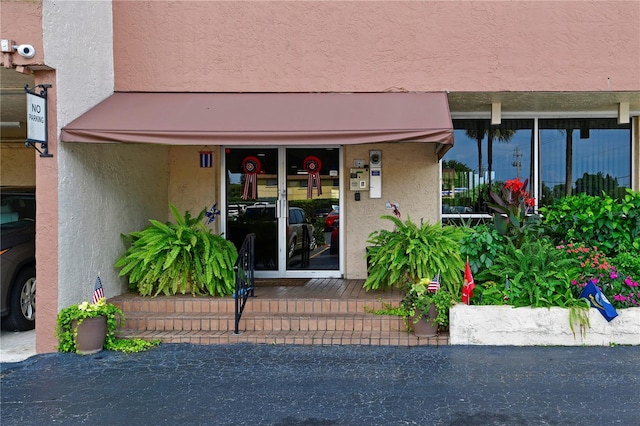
469	285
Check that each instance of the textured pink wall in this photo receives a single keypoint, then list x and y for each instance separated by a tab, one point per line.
374	46
47	227
18	19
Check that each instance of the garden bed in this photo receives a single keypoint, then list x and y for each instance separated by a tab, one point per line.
506	325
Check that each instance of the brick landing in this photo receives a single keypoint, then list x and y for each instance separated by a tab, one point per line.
320	312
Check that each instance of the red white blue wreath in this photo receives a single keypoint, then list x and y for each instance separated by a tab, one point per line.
251	168
313	165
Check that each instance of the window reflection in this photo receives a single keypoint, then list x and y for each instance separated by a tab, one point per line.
583	155
589	156
484	156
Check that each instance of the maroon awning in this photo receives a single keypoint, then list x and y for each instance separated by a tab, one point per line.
266	118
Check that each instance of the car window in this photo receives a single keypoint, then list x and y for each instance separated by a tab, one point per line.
15	207
294	216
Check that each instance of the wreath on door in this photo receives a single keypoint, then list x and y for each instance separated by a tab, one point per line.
313	165
251	167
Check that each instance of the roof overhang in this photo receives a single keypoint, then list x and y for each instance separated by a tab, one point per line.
266	119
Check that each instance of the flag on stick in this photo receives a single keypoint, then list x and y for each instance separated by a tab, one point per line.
434	285
98	291
469	285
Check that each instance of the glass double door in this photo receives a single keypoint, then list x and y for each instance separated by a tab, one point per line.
290	199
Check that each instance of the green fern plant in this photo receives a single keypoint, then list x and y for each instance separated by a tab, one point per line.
171	258
412	252
538	274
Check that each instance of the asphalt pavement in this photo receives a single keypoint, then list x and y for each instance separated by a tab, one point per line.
184	384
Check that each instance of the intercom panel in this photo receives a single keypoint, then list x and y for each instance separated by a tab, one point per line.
359	180
375	174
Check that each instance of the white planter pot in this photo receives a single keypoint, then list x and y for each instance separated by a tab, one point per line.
505	325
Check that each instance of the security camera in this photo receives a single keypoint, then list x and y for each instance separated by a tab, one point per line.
26	51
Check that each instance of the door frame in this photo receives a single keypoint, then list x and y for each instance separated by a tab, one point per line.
281	204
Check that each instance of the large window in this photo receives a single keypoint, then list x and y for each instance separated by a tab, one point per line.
482	156
589	156
584	155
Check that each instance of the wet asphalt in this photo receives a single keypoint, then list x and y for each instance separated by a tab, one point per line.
183	384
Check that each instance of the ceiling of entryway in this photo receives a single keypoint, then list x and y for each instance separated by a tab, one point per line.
13	105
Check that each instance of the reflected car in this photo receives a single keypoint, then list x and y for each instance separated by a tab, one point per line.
295	222
330	219
17	258
335	238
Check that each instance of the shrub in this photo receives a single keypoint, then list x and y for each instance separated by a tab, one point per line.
412	252
481	246
611	225
168	258
535	274
617	284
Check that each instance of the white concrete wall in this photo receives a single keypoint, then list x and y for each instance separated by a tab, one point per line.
506	325
106	190
103	191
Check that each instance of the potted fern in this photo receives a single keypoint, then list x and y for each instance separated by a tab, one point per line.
409	257
173	258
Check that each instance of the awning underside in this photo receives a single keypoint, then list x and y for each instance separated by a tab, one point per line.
266	118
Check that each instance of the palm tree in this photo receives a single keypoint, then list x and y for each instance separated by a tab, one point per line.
568	175
493	133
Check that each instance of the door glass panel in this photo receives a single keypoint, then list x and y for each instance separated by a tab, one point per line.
313	195
252	194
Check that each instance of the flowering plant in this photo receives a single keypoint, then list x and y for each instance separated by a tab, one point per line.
512	207
622	290
419	299
67	330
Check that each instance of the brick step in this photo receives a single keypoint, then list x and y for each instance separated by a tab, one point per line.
189	304
367	338
258	321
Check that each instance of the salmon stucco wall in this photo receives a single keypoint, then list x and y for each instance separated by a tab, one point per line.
17	165
21	22
294	46
192	187
410	173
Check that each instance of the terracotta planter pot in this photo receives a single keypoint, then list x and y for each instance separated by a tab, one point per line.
424	327
92	333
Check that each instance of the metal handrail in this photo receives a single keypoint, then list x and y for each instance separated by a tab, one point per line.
244	269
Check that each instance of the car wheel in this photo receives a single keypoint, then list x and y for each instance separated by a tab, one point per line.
22	302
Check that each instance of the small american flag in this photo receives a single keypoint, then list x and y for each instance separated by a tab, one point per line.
434	285
98	292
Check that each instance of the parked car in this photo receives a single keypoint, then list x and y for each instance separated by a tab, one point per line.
331	218
335	238
17	258
296	221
